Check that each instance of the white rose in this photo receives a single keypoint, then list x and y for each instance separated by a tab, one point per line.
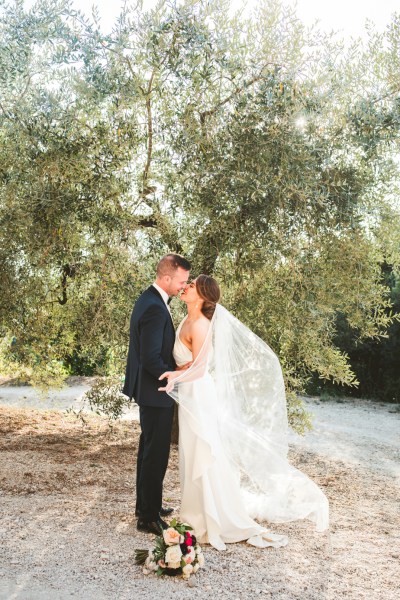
196	567
198	549
173	555
187	571
200	558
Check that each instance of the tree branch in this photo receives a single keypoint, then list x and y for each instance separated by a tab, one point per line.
149	134
149	222
67	271
212	111
385	96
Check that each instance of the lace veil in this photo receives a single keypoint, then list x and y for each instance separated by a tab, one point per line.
250	410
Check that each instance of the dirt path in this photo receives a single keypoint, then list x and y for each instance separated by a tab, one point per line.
359	432
67	528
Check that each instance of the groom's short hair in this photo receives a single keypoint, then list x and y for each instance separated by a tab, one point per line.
170	263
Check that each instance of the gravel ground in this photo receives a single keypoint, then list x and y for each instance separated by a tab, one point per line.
67	528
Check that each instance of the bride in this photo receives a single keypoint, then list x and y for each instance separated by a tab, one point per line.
233	429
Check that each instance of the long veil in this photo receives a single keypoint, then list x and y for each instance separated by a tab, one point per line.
249	408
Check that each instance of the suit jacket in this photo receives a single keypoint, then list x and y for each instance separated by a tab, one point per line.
152	338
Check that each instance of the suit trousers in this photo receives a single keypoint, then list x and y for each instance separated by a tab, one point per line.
152	459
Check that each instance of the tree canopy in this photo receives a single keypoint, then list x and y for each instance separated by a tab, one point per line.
266	152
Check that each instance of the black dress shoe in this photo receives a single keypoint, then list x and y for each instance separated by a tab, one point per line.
165	512
155	527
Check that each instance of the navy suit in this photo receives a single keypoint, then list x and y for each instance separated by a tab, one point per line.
152	338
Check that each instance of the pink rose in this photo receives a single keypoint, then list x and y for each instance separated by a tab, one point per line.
161	563
190	556
171	536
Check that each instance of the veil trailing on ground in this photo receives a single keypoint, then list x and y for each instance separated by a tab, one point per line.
249	407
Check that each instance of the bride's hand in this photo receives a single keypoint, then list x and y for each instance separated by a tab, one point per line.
170	375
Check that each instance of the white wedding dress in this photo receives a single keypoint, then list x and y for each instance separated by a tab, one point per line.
222	491
211	502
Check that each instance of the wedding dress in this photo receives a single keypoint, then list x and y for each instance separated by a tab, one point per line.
232	441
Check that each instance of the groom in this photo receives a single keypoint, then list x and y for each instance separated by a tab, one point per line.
152	338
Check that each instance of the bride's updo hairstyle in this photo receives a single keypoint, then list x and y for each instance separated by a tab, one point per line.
208	289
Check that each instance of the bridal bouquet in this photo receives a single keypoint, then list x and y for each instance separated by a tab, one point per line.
176	552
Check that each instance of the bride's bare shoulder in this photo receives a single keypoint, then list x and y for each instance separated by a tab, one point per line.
201	325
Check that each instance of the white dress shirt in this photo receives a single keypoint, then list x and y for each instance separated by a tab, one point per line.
163	293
